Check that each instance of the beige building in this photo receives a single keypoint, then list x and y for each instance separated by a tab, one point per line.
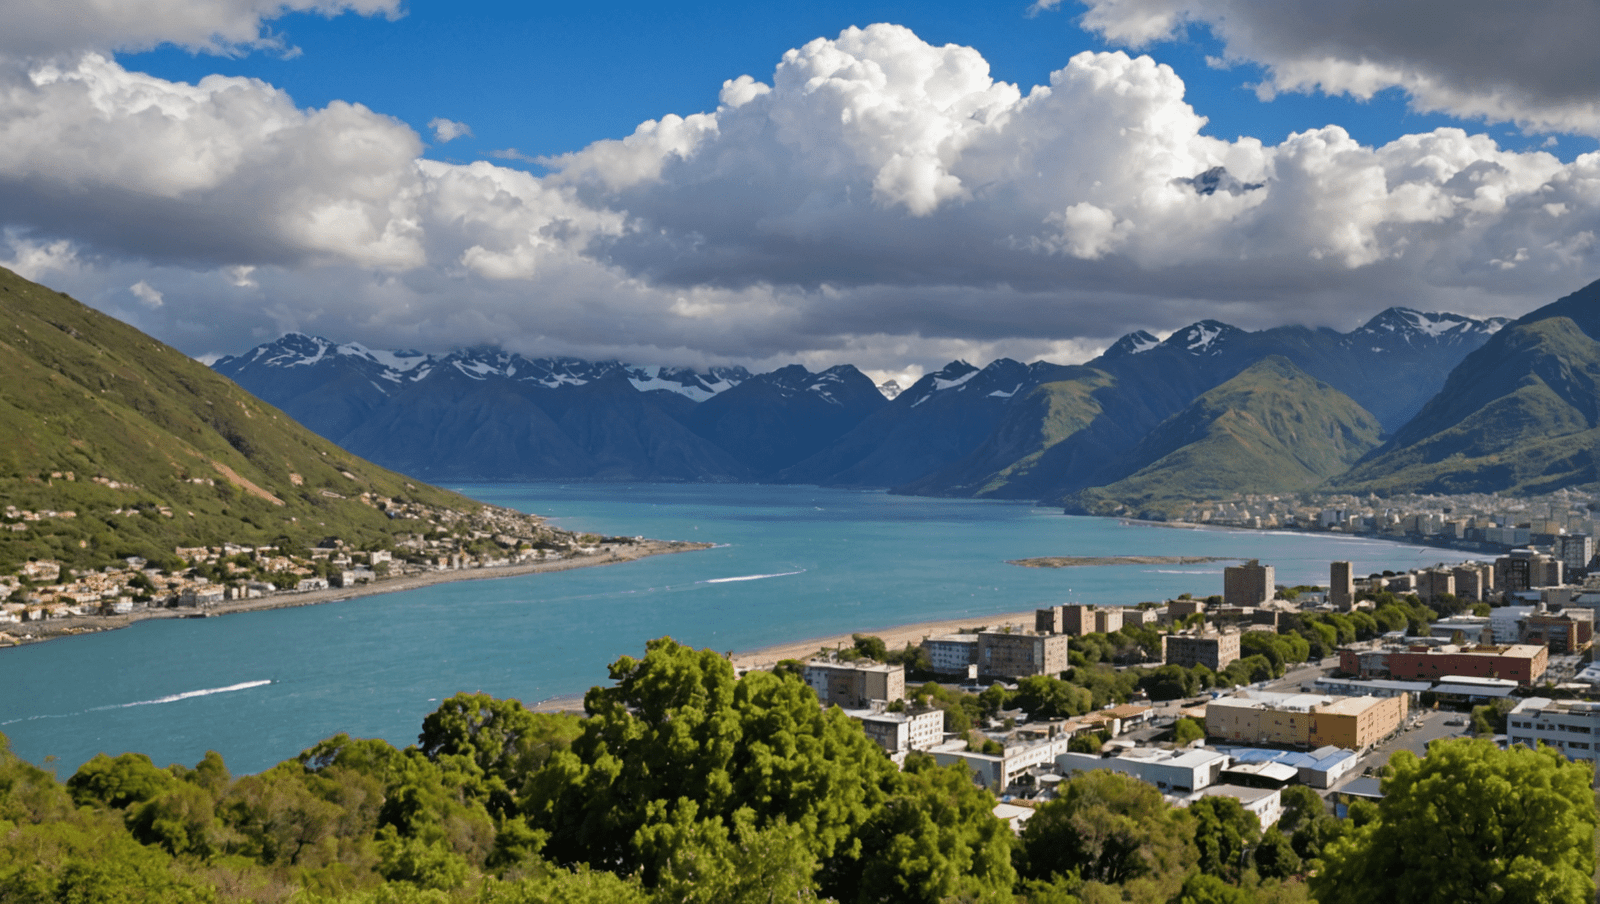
850	685
1250	584
1305	720
1002	655
1214	651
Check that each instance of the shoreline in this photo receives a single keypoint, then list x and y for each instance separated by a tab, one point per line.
75	625
894	637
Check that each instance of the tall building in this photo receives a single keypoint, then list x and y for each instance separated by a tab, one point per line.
1434	583
1574	551
1342	586
1250	584
1049	621
1002	655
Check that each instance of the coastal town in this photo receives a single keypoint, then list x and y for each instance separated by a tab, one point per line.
43	598
1224	696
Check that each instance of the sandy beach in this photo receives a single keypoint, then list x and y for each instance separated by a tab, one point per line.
34	632
895	637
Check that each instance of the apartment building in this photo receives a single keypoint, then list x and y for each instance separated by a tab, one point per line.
1567	725
1342	586
1002	655
951	654
1214	651
1305	720
1250	584
852	685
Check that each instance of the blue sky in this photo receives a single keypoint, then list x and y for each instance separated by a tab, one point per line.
546	78
605	185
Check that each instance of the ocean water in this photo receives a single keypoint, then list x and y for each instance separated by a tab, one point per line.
790	563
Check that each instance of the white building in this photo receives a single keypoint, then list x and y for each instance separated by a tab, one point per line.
1571	727
1267	805
1503	622
901	733
950	654
1170	770
998	771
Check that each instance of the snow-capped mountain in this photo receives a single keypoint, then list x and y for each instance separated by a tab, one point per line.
1407	327
398	368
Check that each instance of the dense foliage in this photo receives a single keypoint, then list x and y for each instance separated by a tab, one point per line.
685	784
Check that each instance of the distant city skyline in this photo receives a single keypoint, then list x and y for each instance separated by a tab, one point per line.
882	184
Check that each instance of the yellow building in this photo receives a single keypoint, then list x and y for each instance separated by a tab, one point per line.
1305	720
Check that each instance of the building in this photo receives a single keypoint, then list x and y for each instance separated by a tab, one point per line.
1567	631
1170	770
1107	620
1526	569
1214	651
1522	663
1473	582
1250	584
1265	803
1305	720
951	654
1178	610
1342	586
902	732
1002	655
855	685
1048	621
1471	628
998	772
1320	768
1574	551
1435	583
1504	623
1569	726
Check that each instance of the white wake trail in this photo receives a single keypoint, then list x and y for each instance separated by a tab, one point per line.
174	698
750	577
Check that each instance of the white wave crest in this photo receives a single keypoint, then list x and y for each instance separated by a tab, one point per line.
750	577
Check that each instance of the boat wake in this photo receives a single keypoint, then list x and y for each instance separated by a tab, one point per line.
750	577
170	698
174	698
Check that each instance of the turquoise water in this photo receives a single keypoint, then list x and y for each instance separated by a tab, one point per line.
259	687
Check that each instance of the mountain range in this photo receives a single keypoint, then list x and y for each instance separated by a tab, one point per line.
1145	408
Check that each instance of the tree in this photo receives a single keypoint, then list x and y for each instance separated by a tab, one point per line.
1470	822
1105	827
1275	857
1187	731
1223	831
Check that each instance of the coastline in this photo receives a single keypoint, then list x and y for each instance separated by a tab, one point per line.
894	637
38	632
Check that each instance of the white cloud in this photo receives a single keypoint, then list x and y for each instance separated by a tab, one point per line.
44	28
1527	63
147	294
881	201
446	130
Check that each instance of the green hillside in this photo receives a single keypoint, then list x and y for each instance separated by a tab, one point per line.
150	450
1271	429
1521	415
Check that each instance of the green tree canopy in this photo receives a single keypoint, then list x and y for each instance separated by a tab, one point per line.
1105	827
1470	823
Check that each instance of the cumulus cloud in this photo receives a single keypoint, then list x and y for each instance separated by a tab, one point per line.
879	200
1527	63
446	130
147	294
43	28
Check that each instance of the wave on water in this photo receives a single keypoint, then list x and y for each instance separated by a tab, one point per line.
170	698
174	698
750	577
1178	571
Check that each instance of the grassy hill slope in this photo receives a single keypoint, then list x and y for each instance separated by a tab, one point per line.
149	450
1270	429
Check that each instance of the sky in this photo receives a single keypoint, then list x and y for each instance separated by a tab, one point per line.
892	185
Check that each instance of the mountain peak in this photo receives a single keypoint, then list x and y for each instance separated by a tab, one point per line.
1206	337
1132	344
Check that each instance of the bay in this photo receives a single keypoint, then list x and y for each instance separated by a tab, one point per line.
790	563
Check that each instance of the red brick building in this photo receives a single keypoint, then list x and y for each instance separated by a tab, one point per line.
1522	663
